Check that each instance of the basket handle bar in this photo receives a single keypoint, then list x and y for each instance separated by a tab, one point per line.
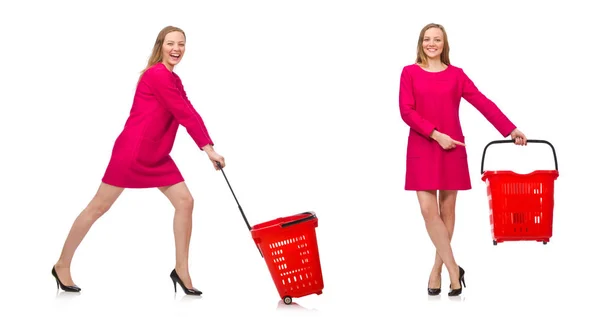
513	141
311	215
238	203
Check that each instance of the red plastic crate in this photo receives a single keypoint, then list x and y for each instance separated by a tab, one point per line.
289	247
521	205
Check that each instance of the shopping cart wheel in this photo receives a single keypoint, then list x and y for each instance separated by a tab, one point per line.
495	242
287	300
545	242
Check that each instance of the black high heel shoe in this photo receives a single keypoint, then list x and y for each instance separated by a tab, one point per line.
66	288
187	291
433	291
461	280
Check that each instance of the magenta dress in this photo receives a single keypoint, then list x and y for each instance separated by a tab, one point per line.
431	100
141	153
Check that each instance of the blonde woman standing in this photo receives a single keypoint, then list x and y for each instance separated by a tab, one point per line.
436	160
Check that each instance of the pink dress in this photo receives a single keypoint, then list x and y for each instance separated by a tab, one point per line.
141	154
431	100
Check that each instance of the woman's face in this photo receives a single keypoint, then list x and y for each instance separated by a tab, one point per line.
173	49
433	43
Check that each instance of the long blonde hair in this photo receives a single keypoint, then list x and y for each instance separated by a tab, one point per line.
445	56
156	55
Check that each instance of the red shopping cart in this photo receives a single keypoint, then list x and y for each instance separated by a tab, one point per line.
521	205
290	249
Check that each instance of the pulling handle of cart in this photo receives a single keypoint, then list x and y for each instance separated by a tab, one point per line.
513	141
311	215
238	204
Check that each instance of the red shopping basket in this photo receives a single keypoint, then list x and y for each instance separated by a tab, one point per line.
289	247
521	205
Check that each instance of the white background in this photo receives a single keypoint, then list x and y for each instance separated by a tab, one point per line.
301	97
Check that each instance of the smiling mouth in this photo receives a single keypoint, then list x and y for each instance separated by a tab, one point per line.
175	56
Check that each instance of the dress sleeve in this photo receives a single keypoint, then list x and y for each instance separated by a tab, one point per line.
168	89
485	106
408	110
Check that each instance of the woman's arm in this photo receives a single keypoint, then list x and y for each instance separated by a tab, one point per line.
485	106
165	86
408	110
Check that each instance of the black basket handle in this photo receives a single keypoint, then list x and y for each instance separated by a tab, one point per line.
238	204
311	215
513	141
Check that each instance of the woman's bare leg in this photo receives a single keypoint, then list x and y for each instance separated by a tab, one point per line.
98	206
437	231
182	200
447	204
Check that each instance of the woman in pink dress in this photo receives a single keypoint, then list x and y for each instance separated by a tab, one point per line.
141	157
436	158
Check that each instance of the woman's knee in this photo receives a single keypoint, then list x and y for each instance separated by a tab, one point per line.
103	200
98	208
185	203
429	212
180	196
447	210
